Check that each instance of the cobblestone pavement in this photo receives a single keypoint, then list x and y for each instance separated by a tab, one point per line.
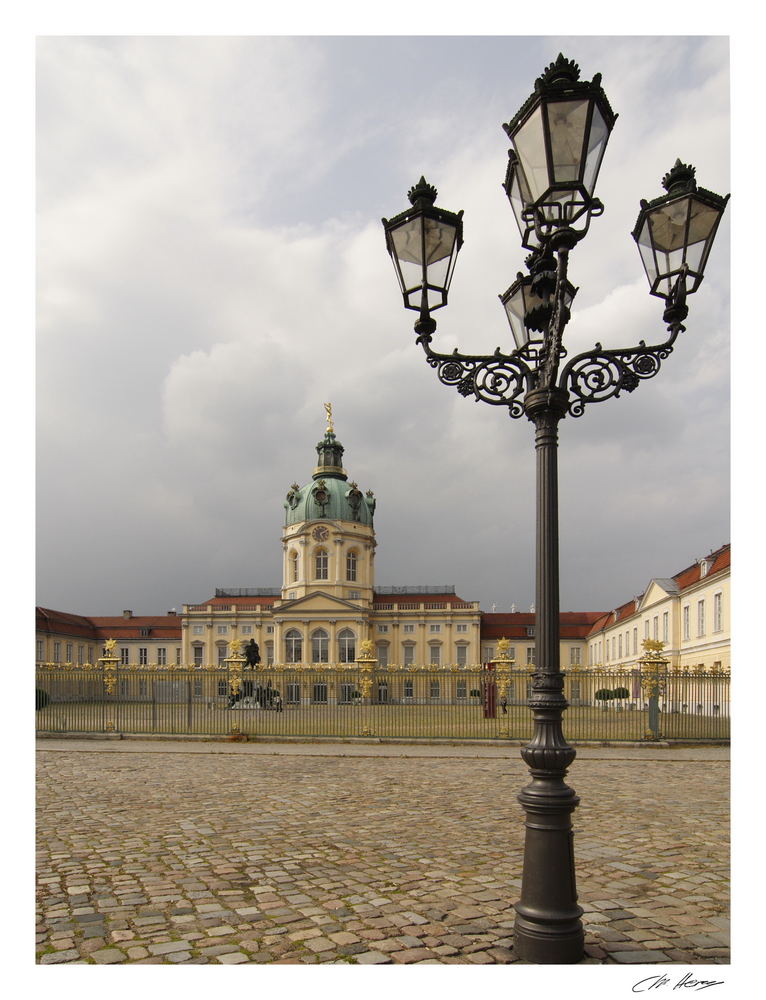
155	853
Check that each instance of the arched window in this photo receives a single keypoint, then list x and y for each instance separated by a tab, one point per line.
293	646
320	564
293	567
320	652
346	646
351	565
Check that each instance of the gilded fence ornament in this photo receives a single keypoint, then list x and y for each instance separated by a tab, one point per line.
235	664
503	664
108	663
366	650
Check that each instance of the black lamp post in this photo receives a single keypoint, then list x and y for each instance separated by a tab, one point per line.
559	137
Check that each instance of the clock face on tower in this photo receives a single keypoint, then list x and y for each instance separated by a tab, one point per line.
320	533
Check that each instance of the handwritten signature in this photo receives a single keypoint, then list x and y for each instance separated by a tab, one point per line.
687	981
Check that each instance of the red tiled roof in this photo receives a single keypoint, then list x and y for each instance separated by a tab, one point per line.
721	560
111	627
417	599
64	623
514	625
238	602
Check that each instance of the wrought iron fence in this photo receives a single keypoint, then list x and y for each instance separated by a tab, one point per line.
351	700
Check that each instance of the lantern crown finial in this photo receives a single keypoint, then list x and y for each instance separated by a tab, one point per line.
680	179
422	192
561	71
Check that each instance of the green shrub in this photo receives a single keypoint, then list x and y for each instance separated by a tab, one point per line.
603	694
621	693
476	693
41	698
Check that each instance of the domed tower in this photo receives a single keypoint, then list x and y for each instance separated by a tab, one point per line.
329	538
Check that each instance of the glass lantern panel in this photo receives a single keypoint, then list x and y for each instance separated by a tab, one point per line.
408	241
439	239
529	143
647	258
668	224
702	221
514	309
597	139
566	123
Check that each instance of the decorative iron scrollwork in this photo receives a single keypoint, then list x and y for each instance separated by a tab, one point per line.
600	374
496	378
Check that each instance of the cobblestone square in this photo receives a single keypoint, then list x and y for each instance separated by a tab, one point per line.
182	853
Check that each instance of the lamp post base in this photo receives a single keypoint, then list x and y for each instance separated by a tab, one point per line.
548	929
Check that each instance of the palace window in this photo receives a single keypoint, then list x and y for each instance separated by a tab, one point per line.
434	689
294	567
408	629
293	646
56	652
436	655
655	627
461	628
351	566
197	629
408	687
717	612
320	652
382	654
223	650
39	650
382	628
685	621
700	618
161	656
530	656
574	656
69	652
81	655
319	694
143	656
409	653
178	655
461	689
293	694
434	628
346	646
223	629
635	641
124	655
246	629
666	626
197	654
320	564
462	655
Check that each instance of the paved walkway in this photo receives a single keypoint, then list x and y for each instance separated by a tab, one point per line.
155	852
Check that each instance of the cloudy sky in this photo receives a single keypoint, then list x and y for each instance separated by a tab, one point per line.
211	269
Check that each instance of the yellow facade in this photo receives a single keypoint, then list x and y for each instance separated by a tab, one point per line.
689	613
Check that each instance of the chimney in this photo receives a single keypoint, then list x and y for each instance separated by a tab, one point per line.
172	611
127	614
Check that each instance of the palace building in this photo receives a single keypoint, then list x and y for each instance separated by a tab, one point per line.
328	604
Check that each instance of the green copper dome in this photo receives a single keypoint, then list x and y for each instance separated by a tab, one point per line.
329	495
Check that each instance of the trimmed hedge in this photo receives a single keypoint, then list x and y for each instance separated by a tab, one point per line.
41	698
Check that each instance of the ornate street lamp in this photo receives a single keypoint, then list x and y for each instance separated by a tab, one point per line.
559	138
